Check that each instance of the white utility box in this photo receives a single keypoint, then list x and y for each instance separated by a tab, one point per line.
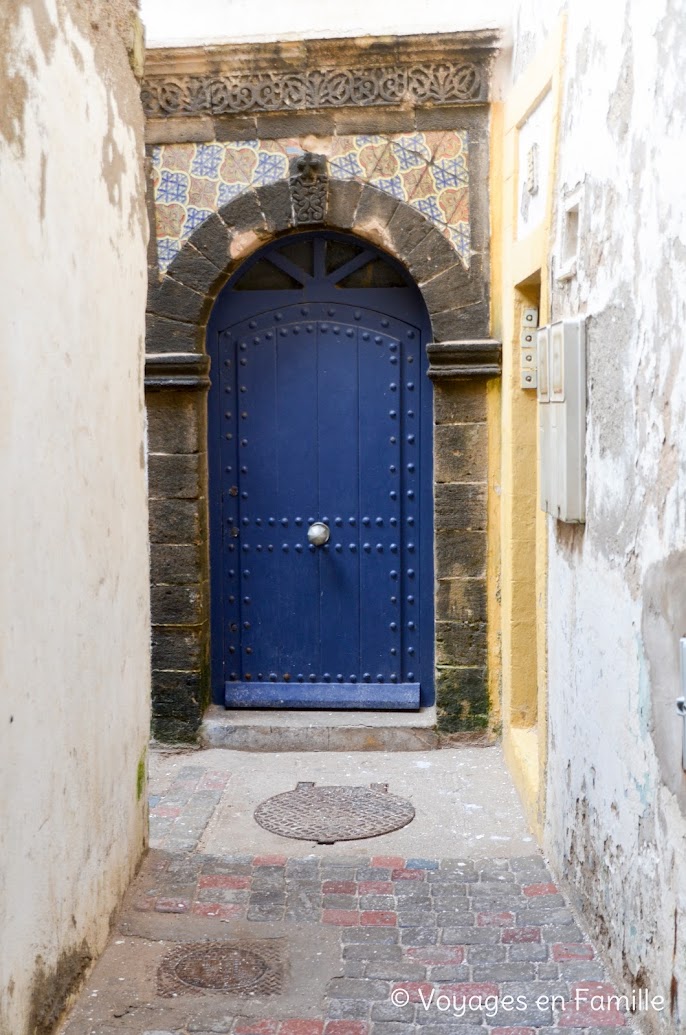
562	419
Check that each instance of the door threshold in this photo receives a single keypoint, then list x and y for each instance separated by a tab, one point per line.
271	729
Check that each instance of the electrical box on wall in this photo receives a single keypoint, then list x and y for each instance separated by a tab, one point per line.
562	419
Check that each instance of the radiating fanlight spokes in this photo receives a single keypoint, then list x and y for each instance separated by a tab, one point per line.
350	266
295	262
375	273
293	270
265	275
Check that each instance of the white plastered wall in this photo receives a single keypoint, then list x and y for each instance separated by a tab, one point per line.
74	598
177	23
616	792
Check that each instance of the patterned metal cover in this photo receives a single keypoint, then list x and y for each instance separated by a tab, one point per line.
251	969
330	814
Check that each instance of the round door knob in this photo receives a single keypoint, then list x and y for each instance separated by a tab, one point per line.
318	533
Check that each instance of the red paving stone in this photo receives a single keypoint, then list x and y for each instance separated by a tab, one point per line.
586	990
346	1028
378	918
301	1027
218	910
572	951
520	935
585	1016
341	917
471	990
270	860
222	880
534	890
401	874
388	862
172	905
376	887
339	887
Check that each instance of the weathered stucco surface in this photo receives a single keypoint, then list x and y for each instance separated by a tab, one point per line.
74	598
616	794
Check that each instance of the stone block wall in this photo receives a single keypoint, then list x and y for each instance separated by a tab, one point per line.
460	510
177	444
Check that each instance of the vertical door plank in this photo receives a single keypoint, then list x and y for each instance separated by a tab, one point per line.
339	560
295	481
257	434
380	496
226	611
411	377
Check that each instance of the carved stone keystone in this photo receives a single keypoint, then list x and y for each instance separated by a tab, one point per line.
309	184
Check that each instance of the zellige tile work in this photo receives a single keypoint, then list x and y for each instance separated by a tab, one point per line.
427	170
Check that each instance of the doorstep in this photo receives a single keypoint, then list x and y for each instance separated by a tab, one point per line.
275	730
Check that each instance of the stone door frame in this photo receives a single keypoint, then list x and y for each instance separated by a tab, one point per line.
462	360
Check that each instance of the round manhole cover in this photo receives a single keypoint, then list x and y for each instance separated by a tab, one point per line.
330	814
234	969
222	967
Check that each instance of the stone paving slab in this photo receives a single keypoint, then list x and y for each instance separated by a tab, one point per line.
463	798
376	937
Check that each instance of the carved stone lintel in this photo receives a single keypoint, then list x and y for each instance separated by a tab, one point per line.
309	182
449	360
460	81
177	371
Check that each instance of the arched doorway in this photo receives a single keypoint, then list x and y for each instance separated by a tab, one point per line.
320	468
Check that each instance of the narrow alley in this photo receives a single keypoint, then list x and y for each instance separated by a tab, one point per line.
343	517
452	923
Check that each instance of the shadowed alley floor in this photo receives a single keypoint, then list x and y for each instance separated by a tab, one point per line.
450	924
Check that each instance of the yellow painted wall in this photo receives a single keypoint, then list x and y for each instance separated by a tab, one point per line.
518	654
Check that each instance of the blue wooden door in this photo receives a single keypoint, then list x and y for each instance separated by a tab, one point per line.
320	468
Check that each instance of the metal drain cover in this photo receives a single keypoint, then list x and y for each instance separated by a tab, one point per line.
219	967
330	814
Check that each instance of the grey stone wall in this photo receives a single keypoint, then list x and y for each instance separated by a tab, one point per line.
178	560
460	511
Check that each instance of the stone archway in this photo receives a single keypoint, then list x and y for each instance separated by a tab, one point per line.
462	358
454	296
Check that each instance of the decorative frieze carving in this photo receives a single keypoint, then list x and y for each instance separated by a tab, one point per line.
309	179
449	82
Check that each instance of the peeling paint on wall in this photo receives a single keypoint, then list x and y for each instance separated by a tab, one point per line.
74	599
617	603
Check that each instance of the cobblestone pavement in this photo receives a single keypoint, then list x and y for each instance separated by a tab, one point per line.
364	944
